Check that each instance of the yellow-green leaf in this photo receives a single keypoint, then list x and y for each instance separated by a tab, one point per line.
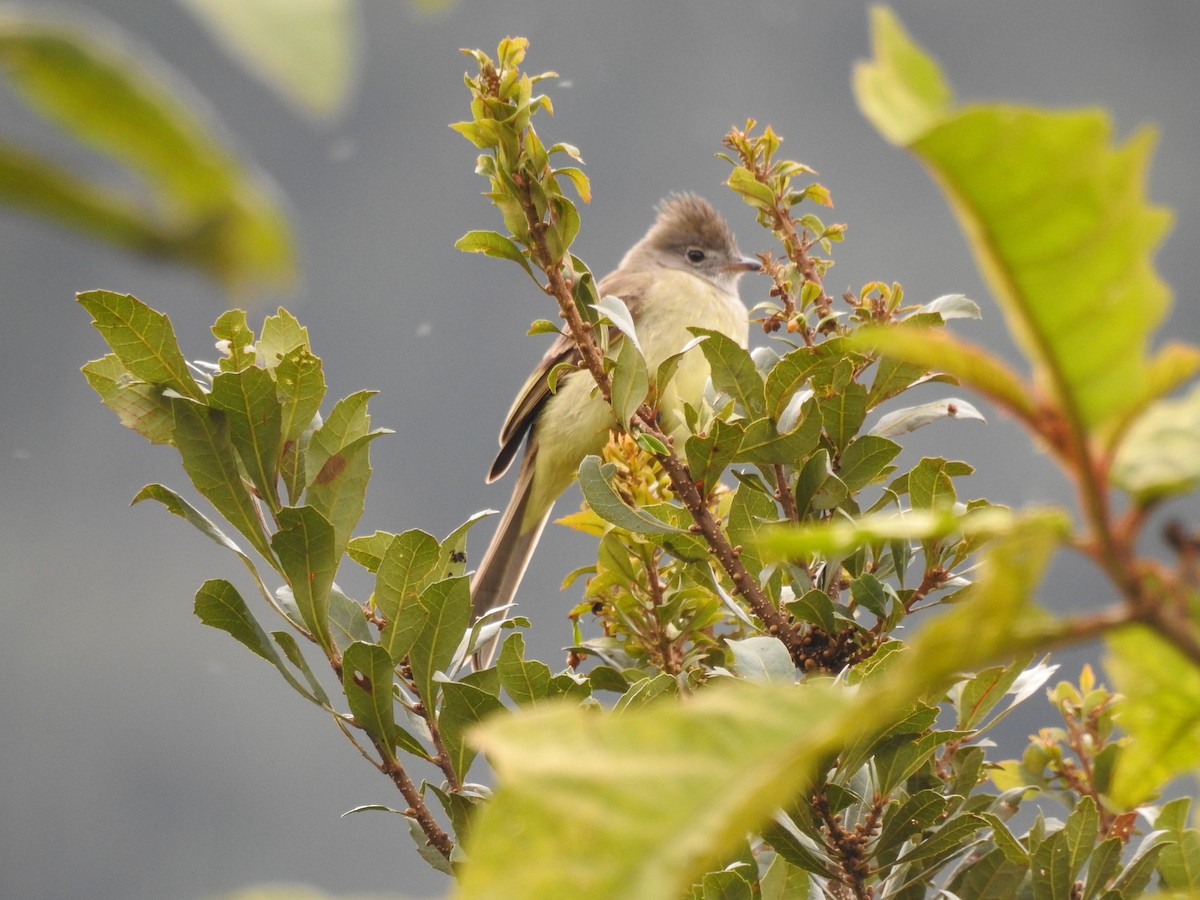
304	50
1056	216
206	207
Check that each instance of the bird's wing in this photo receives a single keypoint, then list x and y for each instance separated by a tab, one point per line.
536	390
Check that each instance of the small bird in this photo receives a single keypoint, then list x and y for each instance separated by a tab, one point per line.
682	273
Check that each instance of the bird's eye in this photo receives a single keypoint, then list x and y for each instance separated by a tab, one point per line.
695	255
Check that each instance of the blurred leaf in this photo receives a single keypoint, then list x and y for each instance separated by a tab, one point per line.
367	681
202	437
1161	713
142	339
1057	218
838	537
649	828
304	50
119	98
926	349
255	417
304	544
138	405
1160	455
902	421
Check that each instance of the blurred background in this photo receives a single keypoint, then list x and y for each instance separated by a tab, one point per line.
143	755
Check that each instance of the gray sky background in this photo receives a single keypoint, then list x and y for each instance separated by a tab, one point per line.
145	756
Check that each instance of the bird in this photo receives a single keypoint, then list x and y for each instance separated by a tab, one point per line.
683	272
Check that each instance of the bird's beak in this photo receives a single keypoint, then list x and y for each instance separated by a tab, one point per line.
743	264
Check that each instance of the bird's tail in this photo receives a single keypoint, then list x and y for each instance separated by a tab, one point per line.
503	565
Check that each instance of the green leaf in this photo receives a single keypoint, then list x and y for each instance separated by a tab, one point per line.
491	243
865	460
407	565
902	421
304	50
176	505
1160	454
930	485
138	405
733	371
300	386
1179	863
787	376
118	98
784	881
248	400
347	620
991	877
367	681
842	413
368	550
630	381
219	605
1057	860
235	340
607	503
763	444
338	464
202	437
1161	713
142	339
452	554
304	544
764	660
525	681
979	695
916	814
543	326
708	456
463	706
446	608
281	333
1057	219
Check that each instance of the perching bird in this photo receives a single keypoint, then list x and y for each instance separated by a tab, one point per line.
682	273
